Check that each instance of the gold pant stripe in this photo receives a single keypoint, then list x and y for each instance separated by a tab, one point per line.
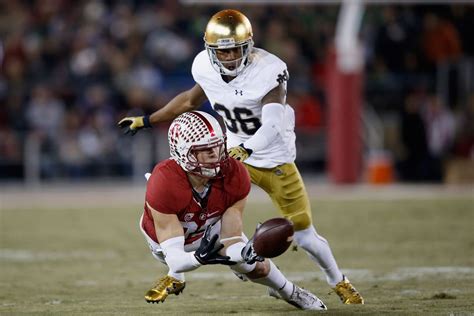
286	189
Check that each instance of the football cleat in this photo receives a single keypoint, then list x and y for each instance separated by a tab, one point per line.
165	286
301	299
348	293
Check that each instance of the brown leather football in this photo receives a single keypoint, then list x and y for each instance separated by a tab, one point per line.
273	237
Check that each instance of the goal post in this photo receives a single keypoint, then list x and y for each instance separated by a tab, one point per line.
344	95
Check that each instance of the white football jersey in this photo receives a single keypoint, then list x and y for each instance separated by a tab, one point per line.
239	103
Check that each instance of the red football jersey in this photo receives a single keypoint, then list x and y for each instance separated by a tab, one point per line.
169	191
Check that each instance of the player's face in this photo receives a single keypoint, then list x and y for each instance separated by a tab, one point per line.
230	58
209	155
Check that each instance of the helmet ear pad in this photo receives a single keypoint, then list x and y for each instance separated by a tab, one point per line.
197	131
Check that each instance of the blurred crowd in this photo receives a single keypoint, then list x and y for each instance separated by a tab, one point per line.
72	69
420	64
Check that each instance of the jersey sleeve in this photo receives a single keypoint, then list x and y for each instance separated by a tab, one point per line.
199	67
165	192
275	73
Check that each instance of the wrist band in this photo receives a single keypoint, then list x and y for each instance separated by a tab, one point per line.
146	121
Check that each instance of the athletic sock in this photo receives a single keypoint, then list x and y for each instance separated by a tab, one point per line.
178	276
277	281
319	251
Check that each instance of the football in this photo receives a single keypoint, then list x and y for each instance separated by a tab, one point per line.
273	237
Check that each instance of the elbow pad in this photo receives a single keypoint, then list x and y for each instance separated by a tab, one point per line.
176	258
273	115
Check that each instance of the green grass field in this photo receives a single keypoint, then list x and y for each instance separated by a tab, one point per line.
405	256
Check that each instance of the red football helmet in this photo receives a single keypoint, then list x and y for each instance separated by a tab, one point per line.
196	131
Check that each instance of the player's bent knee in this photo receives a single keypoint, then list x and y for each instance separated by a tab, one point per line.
309	238
261	270
159	256
303	241
300	221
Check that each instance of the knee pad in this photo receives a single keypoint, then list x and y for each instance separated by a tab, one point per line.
301	221
308	238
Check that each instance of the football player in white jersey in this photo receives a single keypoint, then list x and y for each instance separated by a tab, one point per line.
247	87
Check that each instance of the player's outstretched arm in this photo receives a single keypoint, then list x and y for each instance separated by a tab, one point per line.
184	102
231	228
273	114
231	235
169	233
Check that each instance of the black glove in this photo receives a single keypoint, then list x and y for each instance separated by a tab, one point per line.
134	123
248	253
208	253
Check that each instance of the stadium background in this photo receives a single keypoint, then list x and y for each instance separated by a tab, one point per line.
72	186
72	69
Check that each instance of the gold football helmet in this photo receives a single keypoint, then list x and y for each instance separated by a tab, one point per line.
229	29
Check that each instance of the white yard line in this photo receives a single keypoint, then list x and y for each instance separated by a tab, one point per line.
355	275
399	274
66	196
16	255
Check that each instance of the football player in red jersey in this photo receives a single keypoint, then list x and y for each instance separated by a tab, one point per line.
193	213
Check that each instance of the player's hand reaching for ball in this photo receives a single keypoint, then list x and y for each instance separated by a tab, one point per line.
248	252
208	252
133	124
249	255
240	152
